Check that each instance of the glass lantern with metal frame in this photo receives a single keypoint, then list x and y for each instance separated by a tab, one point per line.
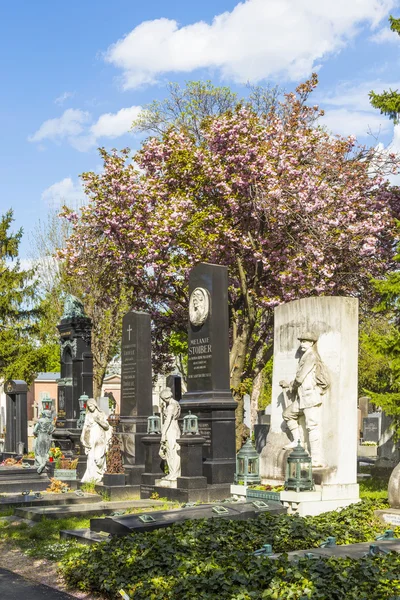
153	425
82	407
190	424
247	464
299	470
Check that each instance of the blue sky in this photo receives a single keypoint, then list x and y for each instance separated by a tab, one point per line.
75	73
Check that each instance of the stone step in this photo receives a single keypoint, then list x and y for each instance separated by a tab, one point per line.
36	513
18	473
19	485
48	500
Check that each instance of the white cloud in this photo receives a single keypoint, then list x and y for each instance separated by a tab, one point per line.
64	192
355	122
385	36
74	125
71	123
355	96
65	96
113	125
258	39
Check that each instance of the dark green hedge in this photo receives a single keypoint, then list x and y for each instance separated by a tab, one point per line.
213	559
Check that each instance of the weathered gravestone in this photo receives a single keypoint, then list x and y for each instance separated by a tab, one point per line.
136	390
332	322
372	428
388	447
208	391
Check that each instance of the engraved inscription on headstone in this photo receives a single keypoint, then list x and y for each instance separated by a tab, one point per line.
136	396
128	364
371	429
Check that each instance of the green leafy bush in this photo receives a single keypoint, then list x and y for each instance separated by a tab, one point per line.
213	558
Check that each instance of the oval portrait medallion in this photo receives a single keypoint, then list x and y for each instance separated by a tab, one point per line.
199	306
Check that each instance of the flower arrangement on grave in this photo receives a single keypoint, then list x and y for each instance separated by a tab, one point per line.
56	486
55	454
114	457
10	462
66	463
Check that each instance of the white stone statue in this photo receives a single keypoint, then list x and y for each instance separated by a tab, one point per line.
170	433
42	433
305	394
95	437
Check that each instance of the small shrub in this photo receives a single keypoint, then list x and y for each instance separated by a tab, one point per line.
89	487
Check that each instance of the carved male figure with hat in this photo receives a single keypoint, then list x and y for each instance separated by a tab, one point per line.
306	394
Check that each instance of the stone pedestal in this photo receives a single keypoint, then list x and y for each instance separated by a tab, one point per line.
153	461
191	463
323	499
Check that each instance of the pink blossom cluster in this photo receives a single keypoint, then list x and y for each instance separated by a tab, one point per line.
291	210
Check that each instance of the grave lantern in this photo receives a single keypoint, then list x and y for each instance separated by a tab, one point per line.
153	424
247	464
190	424
114	419
82	407
299	470
47	403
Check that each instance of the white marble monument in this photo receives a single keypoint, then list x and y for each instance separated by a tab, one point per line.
170	433
314	398
95	437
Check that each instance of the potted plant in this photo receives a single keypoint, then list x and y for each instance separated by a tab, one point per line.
65	468
264	492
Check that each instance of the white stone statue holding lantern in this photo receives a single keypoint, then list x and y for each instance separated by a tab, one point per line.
95	437
170	433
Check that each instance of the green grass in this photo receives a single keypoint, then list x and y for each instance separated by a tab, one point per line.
375	488
42	540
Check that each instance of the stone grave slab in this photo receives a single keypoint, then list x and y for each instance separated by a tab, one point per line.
35	513
155	520
48	500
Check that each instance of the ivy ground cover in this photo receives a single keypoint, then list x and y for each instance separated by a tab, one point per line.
208	559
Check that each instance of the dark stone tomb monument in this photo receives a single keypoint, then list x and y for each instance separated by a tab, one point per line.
17	417
136	391
76	378
208	392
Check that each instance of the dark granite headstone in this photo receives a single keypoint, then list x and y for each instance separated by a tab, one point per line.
17	415
136	391
260	435
174	382
371	429
208	395
136	381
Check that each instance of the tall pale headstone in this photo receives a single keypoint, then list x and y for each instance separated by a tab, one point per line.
333	323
